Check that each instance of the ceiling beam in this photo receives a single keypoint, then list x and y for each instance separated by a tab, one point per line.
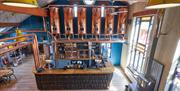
145	12
30	11
8	24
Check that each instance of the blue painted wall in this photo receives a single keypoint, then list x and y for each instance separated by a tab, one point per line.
116	53
31	23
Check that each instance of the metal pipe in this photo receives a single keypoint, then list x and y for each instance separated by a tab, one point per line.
44	24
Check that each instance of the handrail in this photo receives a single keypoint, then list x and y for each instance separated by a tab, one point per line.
13	49
33	43
12	38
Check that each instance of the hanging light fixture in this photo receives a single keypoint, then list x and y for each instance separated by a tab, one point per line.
102	11
89	2
159	4
21	3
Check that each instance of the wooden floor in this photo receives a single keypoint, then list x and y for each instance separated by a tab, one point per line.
26	80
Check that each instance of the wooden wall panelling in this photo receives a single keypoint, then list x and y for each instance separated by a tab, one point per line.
81	21
96	21
109	21
55	22
122	21
68	20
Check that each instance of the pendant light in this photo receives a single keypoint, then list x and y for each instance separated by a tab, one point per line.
75	10
102	11
21	3
159	4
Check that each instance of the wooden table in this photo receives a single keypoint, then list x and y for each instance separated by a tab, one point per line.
5	72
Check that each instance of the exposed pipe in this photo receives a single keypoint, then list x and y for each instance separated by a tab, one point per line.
44	24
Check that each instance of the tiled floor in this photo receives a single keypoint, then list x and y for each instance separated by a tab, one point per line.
26	79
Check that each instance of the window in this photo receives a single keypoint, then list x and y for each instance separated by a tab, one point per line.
139	48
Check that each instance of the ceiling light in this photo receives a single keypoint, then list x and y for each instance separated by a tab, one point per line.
89	2
159	4
75	10
21	3
102	11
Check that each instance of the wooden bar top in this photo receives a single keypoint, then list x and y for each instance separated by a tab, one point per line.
105	70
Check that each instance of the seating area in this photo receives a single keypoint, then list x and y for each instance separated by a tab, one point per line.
6	74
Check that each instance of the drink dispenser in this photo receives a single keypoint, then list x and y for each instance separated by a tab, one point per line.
81	27
96	20
68	21
110	28
54	18
82	21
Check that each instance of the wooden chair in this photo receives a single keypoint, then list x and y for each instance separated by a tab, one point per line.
6	74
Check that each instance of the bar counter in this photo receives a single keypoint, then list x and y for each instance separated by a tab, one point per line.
59	79
105	70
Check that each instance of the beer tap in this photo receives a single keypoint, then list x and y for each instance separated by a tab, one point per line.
81	30
68	29
96	30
